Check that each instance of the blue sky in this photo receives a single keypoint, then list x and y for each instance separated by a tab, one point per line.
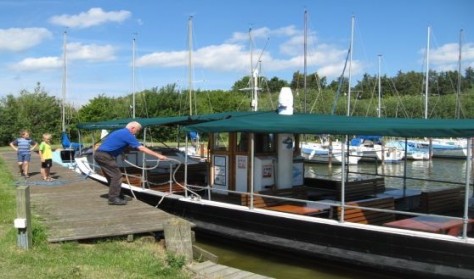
100	37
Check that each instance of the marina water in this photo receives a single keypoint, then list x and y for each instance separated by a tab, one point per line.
286	266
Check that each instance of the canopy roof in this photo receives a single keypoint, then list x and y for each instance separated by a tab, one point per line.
300	123
158	121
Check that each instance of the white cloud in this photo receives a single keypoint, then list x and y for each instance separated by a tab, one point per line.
19	39
35	64
75	51
327	60
446	57
94	53
93	17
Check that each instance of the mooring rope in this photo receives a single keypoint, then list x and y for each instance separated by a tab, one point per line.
173	177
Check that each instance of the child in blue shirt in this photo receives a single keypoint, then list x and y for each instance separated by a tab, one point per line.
23	147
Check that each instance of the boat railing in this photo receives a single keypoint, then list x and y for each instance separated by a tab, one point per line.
372	210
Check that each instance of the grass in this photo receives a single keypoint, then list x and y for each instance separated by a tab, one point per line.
111	258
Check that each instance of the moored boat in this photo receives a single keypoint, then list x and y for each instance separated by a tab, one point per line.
255	191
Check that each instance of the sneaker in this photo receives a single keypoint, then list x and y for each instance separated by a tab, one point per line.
117	201
126	198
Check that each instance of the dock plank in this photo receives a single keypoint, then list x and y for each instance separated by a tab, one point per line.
212	270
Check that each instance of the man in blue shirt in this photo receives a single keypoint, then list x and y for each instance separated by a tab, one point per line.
112	146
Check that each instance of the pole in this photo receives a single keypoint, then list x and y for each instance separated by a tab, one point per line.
64	87
350	69
23	220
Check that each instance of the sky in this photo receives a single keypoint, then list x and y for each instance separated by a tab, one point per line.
115	47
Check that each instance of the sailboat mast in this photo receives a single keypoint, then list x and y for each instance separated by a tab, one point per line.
379	107
64	89
305	55
190	68
253	78
458	93
133	78
427	72
350	68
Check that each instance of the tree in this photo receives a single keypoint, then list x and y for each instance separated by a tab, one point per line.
37	112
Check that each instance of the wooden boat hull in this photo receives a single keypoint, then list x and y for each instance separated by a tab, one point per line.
403	253
387	249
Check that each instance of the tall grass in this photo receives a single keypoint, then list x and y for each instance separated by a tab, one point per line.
111	258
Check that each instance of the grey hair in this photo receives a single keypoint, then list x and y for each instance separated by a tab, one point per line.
133	124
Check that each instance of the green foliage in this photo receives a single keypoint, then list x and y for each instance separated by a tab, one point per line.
34	111
402	96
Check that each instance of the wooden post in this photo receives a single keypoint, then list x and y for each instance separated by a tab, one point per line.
23	220
178	238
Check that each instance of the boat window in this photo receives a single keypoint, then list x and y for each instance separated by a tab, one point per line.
264	143
242	142
221	141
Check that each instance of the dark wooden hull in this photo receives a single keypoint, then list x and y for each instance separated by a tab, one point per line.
386	251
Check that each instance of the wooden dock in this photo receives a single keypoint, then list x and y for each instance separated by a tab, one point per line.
74	207
210	270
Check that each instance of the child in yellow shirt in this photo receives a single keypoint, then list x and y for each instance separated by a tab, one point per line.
46	155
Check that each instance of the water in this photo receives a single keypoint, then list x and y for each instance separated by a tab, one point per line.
284	266
420	175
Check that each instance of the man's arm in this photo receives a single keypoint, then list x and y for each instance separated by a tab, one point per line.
147	150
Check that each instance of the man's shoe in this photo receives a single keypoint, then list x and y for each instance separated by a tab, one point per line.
117	201
126	198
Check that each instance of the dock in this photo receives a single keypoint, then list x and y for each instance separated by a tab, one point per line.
73	207
210	270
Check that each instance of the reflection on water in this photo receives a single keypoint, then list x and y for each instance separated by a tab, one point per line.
439	172
281	266
278	266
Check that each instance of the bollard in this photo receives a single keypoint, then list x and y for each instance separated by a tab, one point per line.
23	220
178	238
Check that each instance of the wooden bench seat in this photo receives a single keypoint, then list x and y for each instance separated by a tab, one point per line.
354	189
367	216
442	200
259	201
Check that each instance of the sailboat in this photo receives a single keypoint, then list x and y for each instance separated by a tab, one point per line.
442	148
65	156
326	151
195	150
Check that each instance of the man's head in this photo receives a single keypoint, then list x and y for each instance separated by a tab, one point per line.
134	127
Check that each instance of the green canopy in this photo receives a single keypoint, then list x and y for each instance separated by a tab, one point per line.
158	121
299	123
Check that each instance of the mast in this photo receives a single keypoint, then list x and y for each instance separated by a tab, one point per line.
350	68
64	85
427	72
190	68
305	54
379	107
253	76
458	93
133	78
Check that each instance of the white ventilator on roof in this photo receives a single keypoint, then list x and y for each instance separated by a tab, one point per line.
285	101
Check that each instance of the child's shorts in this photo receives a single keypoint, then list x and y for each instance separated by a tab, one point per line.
47	163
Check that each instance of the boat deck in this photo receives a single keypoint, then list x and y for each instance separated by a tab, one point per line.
75	208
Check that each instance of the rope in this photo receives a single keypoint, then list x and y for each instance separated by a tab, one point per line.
154	167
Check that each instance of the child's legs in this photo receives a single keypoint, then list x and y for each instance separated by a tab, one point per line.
25	159
46	165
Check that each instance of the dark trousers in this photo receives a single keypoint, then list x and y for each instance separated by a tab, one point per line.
111	172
